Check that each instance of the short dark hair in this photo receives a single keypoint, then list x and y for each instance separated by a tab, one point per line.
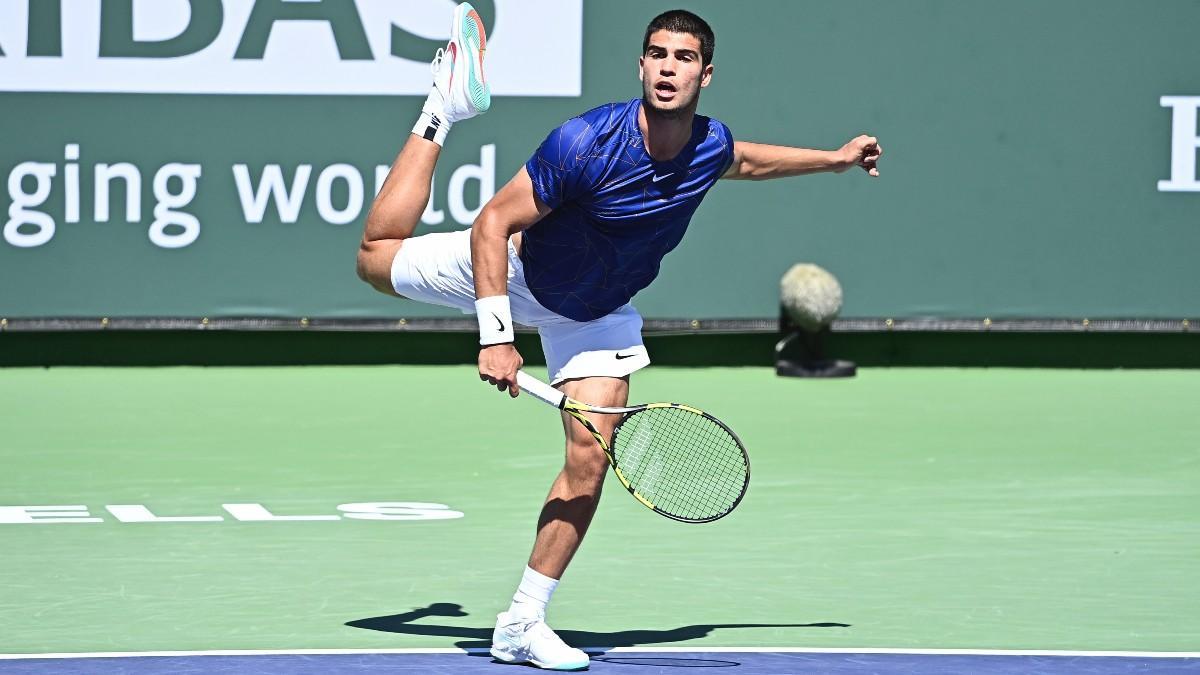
683	21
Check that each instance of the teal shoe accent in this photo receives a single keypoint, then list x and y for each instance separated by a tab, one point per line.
481	95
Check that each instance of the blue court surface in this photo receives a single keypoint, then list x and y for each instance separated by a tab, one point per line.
626	661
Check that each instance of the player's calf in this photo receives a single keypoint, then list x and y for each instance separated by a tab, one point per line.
459	91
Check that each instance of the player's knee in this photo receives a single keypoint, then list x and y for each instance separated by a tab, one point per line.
373	264
365	261
361	263
586	462
587	477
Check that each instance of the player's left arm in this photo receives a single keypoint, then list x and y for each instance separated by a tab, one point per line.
758	161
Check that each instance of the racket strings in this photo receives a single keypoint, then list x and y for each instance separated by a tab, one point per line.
686	464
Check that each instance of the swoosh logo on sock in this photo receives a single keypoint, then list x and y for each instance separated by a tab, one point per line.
625	356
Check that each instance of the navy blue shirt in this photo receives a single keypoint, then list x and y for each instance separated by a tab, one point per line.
616	212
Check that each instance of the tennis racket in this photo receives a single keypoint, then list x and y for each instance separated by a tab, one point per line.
676	460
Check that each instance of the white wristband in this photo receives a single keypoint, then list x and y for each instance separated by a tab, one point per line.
495	320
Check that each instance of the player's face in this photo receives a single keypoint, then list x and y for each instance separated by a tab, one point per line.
671	72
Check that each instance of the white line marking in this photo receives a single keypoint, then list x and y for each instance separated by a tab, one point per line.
895	650
662	650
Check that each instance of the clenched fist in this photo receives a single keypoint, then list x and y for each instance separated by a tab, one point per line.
863	151
498	365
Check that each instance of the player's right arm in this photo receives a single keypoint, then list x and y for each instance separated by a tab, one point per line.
515	207
551	177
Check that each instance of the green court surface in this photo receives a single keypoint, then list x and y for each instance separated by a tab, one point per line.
923	508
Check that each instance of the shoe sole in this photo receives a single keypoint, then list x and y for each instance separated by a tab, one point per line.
472	36
505	657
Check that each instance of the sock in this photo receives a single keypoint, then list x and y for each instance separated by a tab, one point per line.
432	125
533	594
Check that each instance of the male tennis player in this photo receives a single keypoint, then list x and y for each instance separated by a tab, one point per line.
564	246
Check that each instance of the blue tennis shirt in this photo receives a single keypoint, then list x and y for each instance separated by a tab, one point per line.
616	212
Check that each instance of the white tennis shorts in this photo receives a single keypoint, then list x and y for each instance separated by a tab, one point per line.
436	269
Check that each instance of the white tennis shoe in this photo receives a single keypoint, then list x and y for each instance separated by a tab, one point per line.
521	640
458	80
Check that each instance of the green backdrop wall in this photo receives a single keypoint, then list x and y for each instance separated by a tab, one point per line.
1032	167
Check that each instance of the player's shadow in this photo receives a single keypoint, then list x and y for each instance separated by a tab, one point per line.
475	638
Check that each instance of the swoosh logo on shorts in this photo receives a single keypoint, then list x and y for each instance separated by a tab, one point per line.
498	322
625	356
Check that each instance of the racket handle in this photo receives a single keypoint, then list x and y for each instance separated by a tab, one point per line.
540	390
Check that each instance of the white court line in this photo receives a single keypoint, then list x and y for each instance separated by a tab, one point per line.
660	650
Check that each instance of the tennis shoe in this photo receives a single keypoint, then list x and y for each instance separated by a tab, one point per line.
460	89
522	640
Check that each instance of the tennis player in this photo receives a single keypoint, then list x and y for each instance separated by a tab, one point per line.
564	247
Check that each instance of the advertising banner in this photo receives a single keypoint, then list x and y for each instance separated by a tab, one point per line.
217	158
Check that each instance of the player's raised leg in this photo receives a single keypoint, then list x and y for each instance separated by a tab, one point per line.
459	92
521	633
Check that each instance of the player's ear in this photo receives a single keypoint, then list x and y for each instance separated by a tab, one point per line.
641	69
706	75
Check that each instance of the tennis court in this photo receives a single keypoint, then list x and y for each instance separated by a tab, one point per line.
907	520
222	452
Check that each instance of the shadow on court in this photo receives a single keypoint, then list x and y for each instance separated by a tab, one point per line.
476	638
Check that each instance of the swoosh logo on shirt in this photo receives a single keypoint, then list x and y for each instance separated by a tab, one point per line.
657	177
498	322
625	356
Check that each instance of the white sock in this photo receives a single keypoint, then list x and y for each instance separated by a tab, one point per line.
533	594
432	125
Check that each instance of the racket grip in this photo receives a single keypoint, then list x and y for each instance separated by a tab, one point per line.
540	390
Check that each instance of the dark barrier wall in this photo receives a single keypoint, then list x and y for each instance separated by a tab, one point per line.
1041	157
